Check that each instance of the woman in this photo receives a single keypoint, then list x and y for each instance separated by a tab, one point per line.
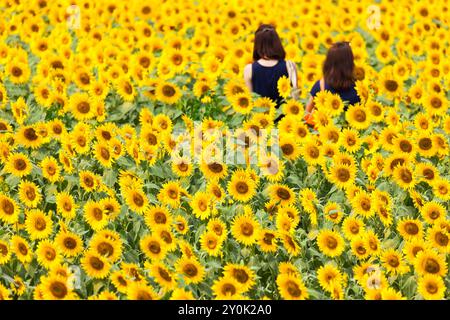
269	65
337	76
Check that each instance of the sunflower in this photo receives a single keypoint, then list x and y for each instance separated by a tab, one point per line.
291	287
153	247
9	209
271	167
311	152
350	140
241	187
284	87
162	275
431	287
215	190
410	229
28	137
171	193
95	265
433	212
47	254
5	252
120	281
136	200
18	71
372	242
167	92
141	291
435	103
106	247
94	216
394	262
69	243
289	243
352	227
56	288
333	212
242	103
425	145
182	166
124	87
181	294
65	205
157	216
191	270
330	243
81	106
226	288
362	204
18	164
22	250
50	169
103	154
359	247
211	243
88	180
268	240
202	206
391	294
166	235
413	247
329	276
438	237
245	229
38	224
342	175
441	189
357	117
281	194
29	194
404	176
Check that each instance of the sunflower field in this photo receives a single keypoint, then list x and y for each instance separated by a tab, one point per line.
136	164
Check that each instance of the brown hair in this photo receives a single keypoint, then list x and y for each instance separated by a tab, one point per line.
339	66
267	44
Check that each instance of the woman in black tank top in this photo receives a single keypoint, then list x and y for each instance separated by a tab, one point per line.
269	64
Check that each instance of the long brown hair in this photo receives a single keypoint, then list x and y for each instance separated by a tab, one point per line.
339	66
267	44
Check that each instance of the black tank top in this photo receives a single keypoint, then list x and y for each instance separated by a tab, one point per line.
265	79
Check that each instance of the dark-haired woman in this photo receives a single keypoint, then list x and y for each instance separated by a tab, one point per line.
338	76
269	65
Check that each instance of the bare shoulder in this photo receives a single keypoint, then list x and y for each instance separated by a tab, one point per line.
248	70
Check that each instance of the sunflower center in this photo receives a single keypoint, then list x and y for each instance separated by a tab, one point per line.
70	243
104	153
393	262
173	194
228	289
283	194
20	164
240	275
143	295
361	250
268	237
30	134
7	207
96	263
89	182
343	174
211	243
242	187
425	143
50	254
164	274
331	243
190	270
293	289
441	239
436	103
16	71
183	167
138	200
391	85
58	289
23	249
215	167
97	213
314	152
365	204
247	229
360	116
168	91
431	288
40	224
411	228
83	107
3	250
67	206
160	218
406	176
202	206
287	149
431	266
405	146
154	247
105	249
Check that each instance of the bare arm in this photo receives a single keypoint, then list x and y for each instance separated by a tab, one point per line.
310	105
248	76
